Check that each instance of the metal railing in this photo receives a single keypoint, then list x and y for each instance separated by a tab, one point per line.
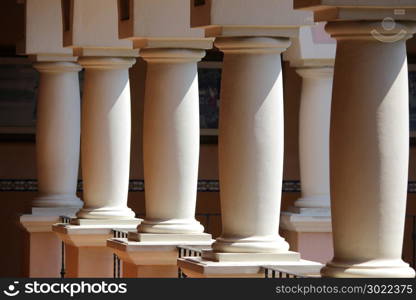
63	220
292	271
187	251
116	260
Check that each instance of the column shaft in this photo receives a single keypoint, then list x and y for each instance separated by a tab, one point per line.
105	145
314	119
171	140
251	144
369	151
57	134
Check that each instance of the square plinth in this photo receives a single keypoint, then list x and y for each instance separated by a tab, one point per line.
306	221
42	218
198	267
112	223
94	235
249	257
151	252
170	238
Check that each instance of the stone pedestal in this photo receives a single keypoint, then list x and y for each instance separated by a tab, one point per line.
86	254
154	255
42	256
308	231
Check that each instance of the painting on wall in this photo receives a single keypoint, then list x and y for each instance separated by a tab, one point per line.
209	75
18	92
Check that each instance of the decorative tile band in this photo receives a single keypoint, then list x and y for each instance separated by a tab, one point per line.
137	185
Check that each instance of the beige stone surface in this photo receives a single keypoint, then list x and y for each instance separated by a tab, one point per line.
157	19
247	13
43	28
326	10
197	267
154	257
312	245
86	26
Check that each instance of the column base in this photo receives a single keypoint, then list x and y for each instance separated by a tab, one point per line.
86	253
57	201
250	245
320	202
374	269
107	213
249	257
154	255
199	267
171	226
308	231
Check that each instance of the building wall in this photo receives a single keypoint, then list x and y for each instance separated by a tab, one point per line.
17	159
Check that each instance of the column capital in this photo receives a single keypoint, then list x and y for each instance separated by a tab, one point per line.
253	45
167	55
316	72
387	31
57	67
107	62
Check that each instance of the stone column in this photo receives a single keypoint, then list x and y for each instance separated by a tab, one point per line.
105	157
171	154
251	145
307	225
58	135
171	140
369	149
314	119
57	151
105	145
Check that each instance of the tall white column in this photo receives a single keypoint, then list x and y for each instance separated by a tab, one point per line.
307	225
171	140
58	135
314	119
105	139
251	145
369	149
